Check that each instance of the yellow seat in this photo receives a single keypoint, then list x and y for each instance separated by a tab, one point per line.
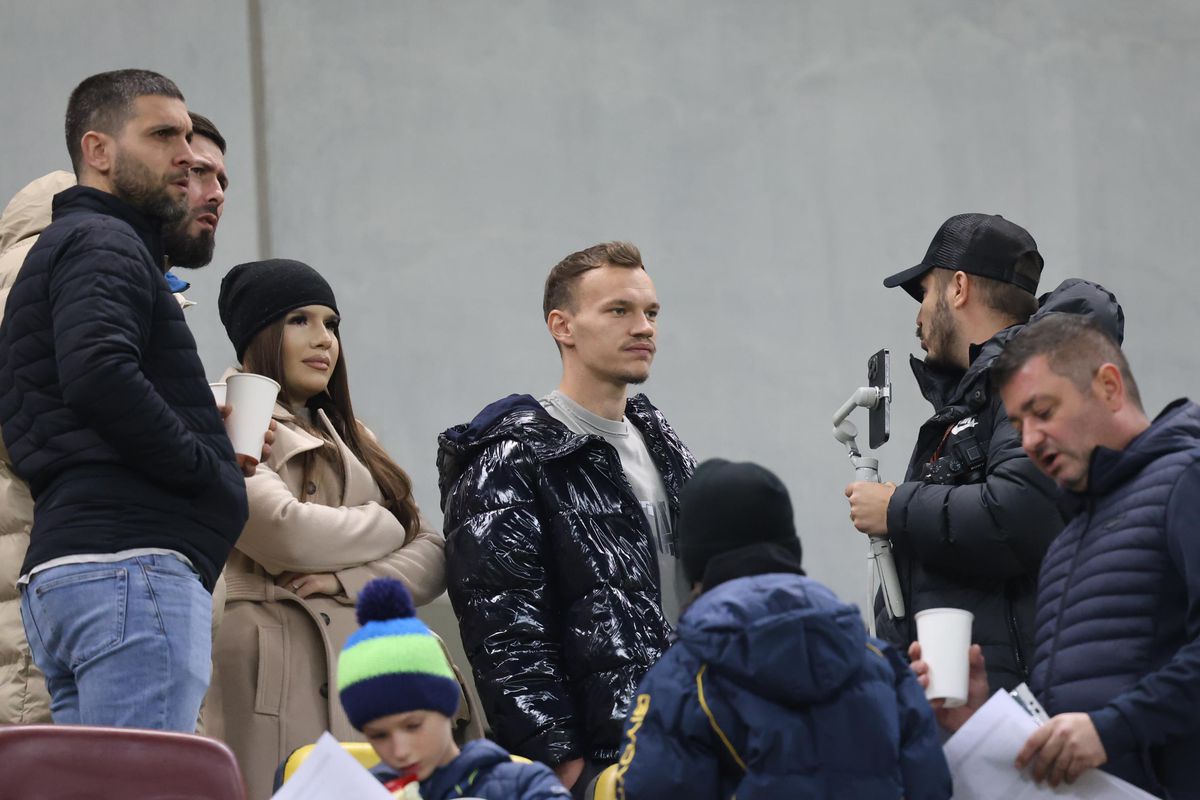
362	752
604	786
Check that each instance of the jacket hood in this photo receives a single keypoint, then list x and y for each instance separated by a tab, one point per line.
785	637
943	387
480	429
1077	296
1176	428
29	211
503	418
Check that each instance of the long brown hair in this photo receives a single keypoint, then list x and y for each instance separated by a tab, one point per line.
264	355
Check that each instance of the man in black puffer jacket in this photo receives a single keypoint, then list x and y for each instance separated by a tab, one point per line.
107	414
973	518
559	526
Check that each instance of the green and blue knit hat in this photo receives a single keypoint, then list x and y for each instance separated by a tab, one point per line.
393	663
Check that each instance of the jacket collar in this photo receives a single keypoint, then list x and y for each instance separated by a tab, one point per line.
80	199
462	772
290	439
943	386
1176	428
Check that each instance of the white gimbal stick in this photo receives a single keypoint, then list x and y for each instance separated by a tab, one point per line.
867	469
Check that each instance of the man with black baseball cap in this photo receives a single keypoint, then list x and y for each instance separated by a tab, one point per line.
971	521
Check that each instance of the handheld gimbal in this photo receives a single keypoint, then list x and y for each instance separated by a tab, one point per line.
867	469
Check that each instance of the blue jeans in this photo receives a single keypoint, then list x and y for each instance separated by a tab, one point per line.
126	644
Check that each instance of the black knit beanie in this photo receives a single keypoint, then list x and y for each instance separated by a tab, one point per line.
726	506
255	294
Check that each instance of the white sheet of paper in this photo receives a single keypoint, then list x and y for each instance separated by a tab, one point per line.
982	752
330	773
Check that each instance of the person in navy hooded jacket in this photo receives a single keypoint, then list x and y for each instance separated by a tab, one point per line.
773	688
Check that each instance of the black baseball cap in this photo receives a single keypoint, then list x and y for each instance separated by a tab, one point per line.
987	245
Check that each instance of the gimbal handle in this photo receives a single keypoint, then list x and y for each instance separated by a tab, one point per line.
867	469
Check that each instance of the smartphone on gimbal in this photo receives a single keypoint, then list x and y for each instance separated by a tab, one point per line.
879	375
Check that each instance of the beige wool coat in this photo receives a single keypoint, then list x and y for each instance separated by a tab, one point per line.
274	682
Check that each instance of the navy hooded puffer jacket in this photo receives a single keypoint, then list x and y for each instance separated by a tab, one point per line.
553	573
774	690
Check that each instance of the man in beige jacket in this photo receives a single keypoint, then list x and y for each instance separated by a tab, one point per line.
23	696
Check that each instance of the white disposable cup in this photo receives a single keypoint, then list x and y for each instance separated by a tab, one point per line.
252	398
218	390
945	637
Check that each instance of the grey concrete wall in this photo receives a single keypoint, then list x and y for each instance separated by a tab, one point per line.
774	160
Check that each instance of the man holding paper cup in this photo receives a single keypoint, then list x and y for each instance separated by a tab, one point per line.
188	243
106	412
1117	644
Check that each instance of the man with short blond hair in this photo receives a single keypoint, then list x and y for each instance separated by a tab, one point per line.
559	521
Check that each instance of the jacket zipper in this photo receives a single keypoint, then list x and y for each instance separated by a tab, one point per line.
1014	633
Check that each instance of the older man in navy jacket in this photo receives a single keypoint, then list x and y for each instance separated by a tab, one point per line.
1117	658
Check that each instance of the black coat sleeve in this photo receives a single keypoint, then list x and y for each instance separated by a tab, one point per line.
999	528
102	297
496	559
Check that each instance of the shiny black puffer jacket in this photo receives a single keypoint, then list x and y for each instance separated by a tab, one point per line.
553	573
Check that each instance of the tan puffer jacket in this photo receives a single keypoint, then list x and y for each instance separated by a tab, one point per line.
23	695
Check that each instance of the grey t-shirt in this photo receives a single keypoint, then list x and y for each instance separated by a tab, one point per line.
645	480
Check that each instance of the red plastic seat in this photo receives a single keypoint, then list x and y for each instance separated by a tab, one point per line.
72	761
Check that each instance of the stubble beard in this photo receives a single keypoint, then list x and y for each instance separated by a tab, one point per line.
634	380
942	336
134	183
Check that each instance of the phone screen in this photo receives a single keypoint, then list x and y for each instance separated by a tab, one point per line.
879	373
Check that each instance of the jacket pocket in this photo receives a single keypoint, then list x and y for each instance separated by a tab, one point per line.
268	692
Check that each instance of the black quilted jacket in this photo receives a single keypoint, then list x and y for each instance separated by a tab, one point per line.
553	574
104	405
975	537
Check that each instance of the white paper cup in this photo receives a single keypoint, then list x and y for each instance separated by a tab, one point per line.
218	390
945	637
252	398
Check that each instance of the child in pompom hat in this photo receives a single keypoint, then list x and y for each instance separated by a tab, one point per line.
398	689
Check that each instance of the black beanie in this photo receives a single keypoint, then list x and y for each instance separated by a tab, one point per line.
255	294
726	506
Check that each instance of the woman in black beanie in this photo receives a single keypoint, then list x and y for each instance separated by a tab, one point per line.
329	511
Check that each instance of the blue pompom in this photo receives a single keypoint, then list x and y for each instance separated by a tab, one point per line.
383	599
